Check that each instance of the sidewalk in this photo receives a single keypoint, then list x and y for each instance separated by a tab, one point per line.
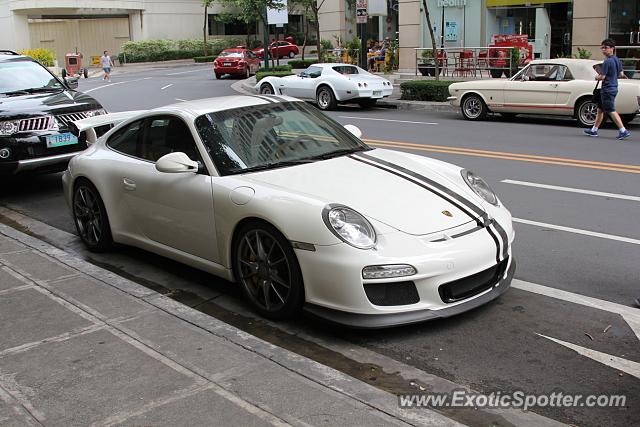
82	346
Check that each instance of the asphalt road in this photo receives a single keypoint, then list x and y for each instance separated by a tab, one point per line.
567	325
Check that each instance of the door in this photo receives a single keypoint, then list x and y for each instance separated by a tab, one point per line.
173	209
304	84
533	91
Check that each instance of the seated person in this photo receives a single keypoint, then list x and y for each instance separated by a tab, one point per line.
379	57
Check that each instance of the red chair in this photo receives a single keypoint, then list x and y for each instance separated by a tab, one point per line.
443	62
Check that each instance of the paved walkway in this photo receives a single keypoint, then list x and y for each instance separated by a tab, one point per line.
82	346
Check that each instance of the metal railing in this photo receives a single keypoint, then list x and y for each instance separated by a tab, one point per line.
494	61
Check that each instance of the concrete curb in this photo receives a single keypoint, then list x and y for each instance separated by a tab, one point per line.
246	87
322	375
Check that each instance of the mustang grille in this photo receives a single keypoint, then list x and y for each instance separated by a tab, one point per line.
38	123
395	293
66	119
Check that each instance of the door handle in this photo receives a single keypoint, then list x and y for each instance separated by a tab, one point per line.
129	184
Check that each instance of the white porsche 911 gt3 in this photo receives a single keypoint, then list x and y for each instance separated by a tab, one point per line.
268	192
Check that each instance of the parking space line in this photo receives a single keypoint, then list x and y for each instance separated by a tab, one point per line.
572	190
164	87
578	231
117	83
187	72
386	120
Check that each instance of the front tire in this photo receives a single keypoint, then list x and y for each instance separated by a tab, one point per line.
586	112
266	267
473	108
325	98
90	217
85	73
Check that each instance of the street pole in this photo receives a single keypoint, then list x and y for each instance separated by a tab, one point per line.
363	46
442	30
265	40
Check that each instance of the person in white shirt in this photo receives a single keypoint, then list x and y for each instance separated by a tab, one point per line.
107	63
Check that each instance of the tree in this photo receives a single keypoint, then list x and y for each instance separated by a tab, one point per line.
314	7
433	39
205	4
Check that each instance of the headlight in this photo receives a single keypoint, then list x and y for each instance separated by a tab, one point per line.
349	226
479	186
9	127
94	113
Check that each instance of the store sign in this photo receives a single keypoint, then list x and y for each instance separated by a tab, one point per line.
451	3
451	31
361	12
278	16
377	7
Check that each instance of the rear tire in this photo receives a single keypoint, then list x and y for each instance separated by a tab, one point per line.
292	55
266	89
85	73
586	112
63	73
247	73
266	267
325	98
218	76
473	108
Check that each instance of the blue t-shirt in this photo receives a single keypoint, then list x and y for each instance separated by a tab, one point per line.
611	69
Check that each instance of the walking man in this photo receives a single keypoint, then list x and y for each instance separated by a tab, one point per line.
608	75
107	63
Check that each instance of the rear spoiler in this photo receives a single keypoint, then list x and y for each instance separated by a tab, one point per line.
89	124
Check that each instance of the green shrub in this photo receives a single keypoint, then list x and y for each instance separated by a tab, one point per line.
285	67
44	56
164	50
262	74
209	58
298	63
425	90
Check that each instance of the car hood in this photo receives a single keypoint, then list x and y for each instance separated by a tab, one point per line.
377	192
46	103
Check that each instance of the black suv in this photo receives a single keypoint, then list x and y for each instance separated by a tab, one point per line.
36	109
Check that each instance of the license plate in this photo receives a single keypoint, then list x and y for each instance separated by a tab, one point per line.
226	64
377	93
61	139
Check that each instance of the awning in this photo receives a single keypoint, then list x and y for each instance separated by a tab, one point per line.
498	3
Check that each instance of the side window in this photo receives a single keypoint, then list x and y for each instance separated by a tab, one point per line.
128	140
564	73
313	72
168	134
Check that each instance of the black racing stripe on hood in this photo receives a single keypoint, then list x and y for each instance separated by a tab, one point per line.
495	240
479	211
418	183
505	239
264	98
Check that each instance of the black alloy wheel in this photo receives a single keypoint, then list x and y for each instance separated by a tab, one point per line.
90	217
266	266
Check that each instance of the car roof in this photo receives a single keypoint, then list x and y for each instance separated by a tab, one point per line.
234	49
221	103
11	55
581	69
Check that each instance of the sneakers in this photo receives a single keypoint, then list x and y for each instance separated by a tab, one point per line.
590	132
623	135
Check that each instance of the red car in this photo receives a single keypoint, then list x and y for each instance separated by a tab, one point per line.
278	49
237	61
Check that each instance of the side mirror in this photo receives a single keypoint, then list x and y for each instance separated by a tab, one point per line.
176	163
354	130
71	82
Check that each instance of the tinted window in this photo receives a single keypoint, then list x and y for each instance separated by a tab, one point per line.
345	69
128	140
168	134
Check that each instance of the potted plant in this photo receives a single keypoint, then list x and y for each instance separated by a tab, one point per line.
427	65
629	67
514	62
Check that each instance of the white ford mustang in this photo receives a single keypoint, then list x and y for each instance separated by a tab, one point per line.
270	193
561	87
329	85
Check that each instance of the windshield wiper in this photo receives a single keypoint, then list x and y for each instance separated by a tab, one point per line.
43	89
338	153
272	166
16	92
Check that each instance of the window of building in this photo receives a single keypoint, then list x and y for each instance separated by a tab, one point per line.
227	27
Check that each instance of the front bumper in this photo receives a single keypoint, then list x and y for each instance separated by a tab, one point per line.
373	321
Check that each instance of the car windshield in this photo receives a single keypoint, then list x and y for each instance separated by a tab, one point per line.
26	76
231	54
274	135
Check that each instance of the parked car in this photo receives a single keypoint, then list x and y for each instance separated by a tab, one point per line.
272	194
36	109
279	49
237	61
562	87
329	85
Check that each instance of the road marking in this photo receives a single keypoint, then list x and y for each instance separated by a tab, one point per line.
117	83
629	314
572	190
508	156
186	72
579	231
387	120
164	87
624	365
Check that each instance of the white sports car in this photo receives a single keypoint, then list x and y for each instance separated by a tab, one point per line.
561	87
270	193
329	85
